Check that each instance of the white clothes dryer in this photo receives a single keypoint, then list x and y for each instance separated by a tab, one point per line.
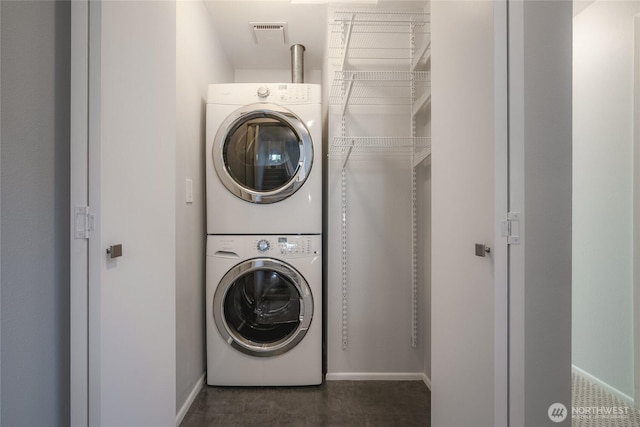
264	158
264	310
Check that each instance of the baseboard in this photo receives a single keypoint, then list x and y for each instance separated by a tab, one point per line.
192	396
375	376
426	380
614	391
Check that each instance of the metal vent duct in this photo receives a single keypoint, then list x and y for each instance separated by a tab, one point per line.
297	63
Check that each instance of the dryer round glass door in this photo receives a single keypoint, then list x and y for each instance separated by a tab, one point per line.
263	153
263	307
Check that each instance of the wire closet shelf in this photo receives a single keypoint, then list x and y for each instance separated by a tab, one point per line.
379	87
387	37
418	148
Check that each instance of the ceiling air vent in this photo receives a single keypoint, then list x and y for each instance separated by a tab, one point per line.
269	33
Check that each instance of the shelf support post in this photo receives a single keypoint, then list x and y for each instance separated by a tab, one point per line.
414	261
343	179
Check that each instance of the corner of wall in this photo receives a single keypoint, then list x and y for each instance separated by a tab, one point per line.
200	61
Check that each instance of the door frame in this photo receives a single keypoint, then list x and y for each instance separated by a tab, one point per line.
94	178
79	197
636	210
501	195
85	188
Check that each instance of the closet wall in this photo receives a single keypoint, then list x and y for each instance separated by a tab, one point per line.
424	242
200	61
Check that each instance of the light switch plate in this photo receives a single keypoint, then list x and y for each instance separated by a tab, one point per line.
189	192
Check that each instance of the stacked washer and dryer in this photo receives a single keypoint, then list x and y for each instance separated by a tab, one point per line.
264	234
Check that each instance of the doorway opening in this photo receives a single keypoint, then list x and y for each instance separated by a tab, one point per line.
606	201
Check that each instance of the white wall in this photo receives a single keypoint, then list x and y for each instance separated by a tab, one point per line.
274	76
603	192
379	271
423	186
199	61
34	162
462	297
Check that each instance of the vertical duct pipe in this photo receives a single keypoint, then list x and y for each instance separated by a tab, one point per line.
297	63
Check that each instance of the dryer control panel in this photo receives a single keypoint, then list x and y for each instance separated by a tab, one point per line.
293	93
284	93
276	93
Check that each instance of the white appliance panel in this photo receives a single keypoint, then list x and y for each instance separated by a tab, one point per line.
301	212
302	364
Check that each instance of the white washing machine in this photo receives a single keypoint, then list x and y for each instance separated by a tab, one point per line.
264	310
264	158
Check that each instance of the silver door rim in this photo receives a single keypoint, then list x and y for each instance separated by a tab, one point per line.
245	345
304	164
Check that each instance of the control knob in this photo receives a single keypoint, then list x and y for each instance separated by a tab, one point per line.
263	245
263	91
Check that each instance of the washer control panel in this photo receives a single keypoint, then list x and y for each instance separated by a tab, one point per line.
285	246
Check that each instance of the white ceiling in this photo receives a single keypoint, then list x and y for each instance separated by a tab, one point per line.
306	25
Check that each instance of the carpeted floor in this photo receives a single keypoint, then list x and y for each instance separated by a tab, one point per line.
595	407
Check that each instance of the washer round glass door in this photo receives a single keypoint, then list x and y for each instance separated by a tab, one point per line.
263	153
263	307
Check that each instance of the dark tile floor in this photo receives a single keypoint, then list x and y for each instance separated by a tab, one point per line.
334	403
